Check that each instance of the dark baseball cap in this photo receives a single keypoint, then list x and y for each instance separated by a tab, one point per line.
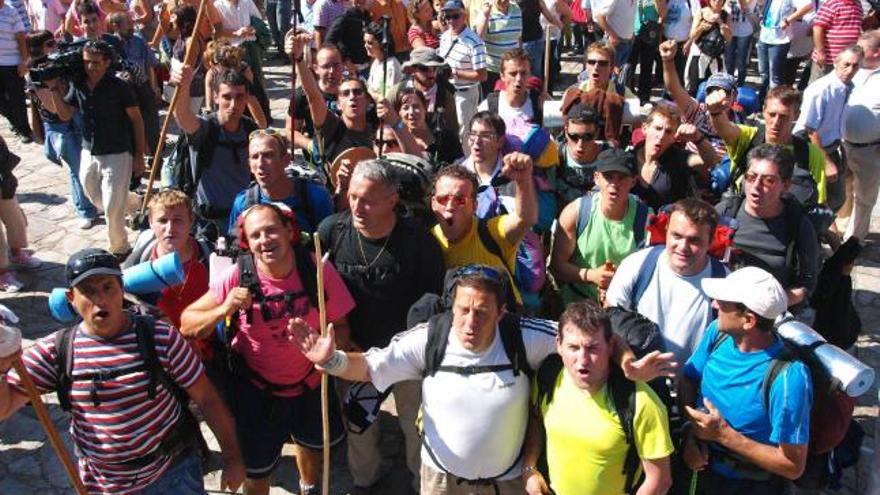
89	262
453	5
615	160
721	80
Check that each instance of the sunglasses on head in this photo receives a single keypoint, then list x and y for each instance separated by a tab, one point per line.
481	271
271	132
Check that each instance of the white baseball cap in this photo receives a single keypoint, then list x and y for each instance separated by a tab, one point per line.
751	286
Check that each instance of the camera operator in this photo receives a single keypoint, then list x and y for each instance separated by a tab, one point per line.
13	66
62	139
112	137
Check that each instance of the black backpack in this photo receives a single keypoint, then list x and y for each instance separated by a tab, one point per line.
534	97
301	186
712	42
185	432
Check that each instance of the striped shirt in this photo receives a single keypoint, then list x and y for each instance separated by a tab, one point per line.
503	33
326	11
466	51
22	10
125	425
10	24
842	21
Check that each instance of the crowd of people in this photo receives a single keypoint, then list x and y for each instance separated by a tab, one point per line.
483	267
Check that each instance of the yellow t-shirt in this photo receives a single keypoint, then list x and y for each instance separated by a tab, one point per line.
586	447
817	159
470	250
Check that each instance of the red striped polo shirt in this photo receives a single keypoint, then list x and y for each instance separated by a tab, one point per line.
842	21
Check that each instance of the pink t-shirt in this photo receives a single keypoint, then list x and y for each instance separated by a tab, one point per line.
264	345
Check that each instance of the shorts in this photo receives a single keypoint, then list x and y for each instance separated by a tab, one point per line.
265	422
184	477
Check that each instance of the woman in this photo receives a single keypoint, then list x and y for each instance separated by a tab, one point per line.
736	57
441	146
13	226
422	31
377	85
183	18
710	35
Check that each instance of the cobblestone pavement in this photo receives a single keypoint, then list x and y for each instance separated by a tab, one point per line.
29	466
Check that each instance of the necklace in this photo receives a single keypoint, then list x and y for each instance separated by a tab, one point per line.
364	254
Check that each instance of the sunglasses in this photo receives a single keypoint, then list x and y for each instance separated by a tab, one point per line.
587	136
481	271
451	17
600	63
351	92
271	132
766	180
455	200
386	143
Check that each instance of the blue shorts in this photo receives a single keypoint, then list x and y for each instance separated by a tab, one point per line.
184	477
265	422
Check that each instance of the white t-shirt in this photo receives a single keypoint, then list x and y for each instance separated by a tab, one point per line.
679	17
475	424
237	16
675	303
771	32
513	117
740	25
374	81
620	15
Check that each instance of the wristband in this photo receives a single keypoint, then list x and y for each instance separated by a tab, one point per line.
336	365
527	471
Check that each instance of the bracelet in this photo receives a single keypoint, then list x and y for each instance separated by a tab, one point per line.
336	365
715	114
528	470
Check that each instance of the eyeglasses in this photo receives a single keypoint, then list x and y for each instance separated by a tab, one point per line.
336	65
587	136
386	142
271	132
351	92
766	180
482	136
451	17
454	199
600	63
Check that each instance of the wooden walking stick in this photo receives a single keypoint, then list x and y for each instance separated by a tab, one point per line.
51	432
160	145
547	58
325	401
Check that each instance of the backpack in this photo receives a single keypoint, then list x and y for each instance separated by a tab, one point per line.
643	336
534	97
649	266
146	241
639	223
185	432
530	270
832	409
802	160
712	42
301	187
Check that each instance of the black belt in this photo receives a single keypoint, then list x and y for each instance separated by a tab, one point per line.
861	145
468	88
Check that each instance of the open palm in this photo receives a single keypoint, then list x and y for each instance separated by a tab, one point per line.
309	341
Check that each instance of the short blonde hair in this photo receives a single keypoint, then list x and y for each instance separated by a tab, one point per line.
170	198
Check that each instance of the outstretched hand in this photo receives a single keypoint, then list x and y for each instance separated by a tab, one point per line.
652	365
316	348
709	425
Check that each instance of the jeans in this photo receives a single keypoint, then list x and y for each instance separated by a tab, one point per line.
63	146
771	65
535	49
12	101
184	477
736	57
278	15
621	52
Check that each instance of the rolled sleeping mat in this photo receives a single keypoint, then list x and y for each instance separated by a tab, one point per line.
853	376
60	308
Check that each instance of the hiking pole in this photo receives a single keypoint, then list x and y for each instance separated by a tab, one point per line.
547	58
325	384
160	144
385	48
51	432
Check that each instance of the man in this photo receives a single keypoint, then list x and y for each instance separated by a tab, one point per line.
590	244
276	389
780	112
738	442
836	26
486	138
465	53
615	17
773	233
423	66
13	67
821	115
459	231
516	104
500	25
107	357
268	157
663	282
113	138
346	32
577	154
586	445
328	69
861	136
387	262
326	11
596	93
219	143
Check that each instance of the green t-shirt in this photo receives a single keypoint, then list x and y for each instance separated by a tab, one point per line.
646	11
602	240
586	447
817	158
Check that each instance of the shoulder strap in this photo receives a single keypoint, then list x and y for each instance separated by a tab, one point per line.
64	365
512	340
537	110
646	271
492	102
801	151
623	396
739	167
206	153
640	222
488	241
144	329
302	192
545	378
777	367
251	196
307	270
439	327
585	207
793	217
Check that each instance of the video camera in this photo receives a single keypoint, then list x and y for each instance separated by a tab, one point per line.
67	62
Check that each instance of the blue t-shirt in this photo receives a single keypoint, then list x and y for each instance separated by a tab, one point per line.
732	380
320	206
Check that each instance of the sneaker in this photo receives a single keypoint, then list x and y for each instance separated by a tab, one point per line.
86	223
25	259
25	138
8	283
